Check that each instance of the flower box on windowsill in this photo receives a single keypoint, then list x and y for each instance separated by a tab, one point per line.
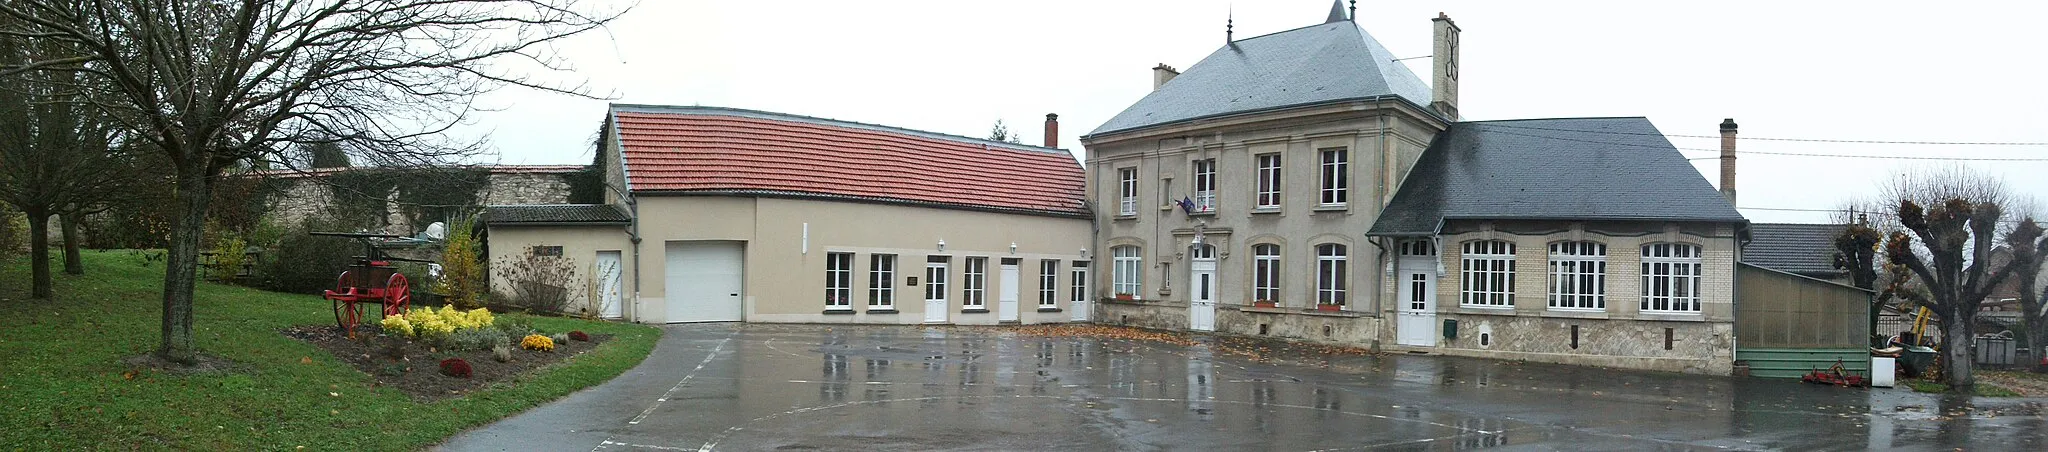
1125	297
1265	304
1329	307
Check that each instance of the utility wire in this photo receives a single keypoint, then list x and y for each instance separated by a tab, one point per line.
1806	140
1795	154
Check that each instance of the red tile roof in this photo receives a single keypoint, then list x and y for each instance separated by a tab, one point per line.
721	150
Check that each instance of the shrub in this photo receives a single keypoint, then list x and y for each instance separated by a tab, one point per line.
304	263
397	325
537	342
559	338
230	252
462	270
13	231
517	327
502	353
455	367
476	339
579	336
539	283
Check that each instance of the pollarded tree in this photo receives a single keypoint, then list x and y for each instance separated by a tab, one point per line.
1956	239
2028	254
210	83
55	150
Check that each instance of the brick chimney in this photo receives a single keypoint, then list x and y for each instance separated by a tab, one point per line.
1052	130
1444	68
1161	74
1728	159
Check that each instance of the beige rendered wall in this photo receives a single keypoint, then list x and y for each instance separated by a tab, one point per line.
580	245
1374	133
785	280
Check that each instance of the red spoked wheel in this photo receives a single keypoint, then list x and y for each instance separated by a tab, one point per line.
345	311
397	295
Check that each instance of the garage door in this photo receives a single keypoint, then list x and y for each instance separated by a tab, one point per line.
704	281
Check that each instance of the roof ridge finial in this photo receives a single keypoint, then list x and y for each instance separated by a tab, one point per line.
1354	10
1229	22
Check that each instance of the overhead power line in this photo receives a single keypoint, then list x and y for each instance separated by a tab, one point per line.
1805	140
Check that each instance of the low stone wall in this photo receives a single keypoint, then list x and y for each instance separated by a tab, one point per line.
1696	347
1343	328
1143	314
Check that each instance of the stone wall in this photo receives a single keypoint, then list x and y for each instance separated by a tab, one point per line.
1695	347
304	197
1348	329
525	188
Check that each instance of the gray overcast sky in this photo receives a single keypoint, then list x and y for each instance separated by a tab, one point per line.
1920	71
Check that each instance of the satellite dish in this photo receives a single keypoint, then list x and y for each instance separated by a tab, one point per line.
436	231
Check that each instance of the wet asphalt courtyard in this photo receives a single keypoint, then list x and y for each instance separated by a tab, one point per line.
803	387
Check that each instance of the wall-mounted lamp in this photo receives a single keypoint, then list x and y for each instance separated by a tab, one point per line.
1013	247
1084	252
942	245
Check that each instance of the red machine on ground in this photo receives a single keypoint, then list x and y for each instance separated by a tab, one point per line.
371	281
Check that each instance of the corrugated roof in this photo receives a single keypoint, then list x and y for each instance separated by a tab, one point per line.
555	214
1802	249
1575	168
1317	64
683	150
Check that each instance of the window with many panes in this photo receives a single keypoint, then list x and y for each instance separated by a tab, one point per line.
1330	275
839	281
1486	277
1127	191
1048	283
1080	286
1266	272
1671	277
1268	186
1125	270
1336	177
882	281
1578	275
974	284
1205	185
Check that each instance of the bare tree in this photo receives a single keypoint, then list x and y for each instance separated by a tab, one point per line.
2028	252
210	83
55	151
1953	259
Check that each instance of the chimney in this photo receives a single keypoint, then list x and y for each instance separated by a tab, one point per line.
1052	130
1444	68
1162	74
1728	159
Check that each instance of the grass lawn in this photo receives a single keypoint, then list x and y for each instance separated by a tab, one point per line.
63	384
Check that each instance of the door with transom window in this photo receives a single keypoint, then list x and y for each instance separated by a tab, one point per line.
1416	324
935	303
1202	288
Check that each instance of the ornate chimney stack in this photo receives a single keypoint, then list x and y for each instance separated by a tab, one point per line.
1444	68
1728	159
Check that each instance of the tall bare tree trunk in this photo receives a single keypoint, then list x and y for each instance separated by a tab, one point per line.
182	265
73	264
1956	364
39	251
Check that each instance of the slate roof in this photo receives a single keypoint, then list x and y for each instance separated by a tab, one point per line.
554	214
711	150
1572	168
1801	249
1317	64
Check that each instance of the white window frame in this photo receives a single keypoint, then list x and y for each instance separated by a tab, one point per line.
1205	185
1080	288
1578	276
1331	273
1127	271
1486	274
839	281
1048	283
882	281
1127	191
1267	190
974	283
1335	180
1671	278
1266	272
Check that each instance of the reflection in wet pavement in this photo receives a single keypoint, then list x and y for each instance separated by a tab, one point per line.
903	388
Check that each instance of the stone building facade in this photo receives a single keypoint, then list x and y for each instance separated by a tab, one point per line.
304	195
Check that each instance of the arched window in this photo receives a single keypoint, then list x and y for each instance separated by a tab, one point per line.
1330	274
1126	270
1671	277
1486	277
1266	272
1578	275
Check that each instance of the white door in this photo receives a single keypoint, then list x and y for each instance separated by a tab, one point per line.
1006	303
1079	299
610	298
1418	308
1202	290
935	292
703	281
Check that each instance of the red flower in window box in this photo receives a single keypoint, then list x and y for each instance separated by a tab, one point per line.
1329	307
1265	304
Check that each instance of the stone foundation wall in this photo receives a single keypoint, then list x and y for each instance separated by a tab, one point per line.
303	198
1154	315
1345	329
1696	347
